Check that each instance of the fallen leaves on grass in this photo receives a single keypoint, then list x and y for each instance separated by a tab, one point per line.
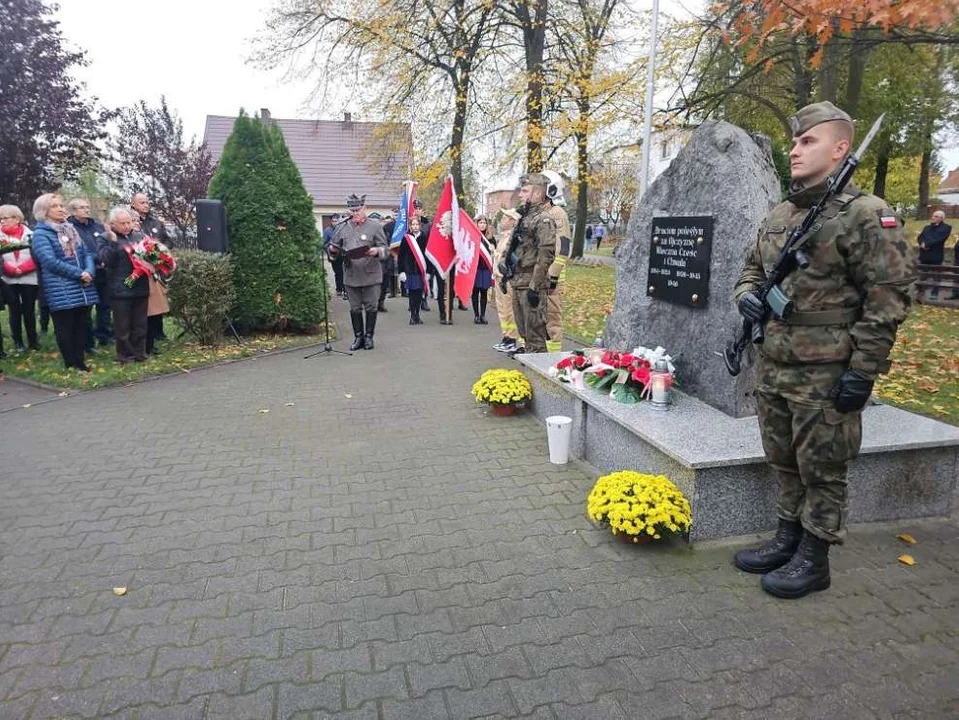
588	300
925	364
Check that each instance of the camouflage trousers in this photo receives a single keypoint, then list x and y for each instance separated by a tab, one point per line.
808	443
530	322
554	319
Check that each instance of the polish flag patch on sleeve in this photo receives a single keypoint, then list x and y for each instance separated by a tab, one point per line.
887	219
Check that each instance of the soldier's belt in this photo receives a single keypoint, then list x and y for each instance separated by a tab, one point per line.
842	316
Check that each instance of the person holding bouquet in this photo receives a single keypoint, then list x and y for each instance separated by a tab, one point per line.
68	271
19	278
127	285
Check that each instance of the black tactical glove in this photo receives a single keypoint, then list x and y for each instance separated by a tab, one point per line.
532	297
751	307
851	391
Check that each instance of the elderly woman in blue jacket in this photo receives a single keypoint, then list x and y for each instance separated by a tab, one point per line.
68	272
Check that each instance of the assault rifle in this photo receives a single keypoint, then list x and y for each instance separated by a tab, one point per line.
507	268
791	257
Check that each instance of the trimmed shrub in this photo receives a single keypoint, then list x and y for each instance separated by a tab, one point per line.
201	294
274	243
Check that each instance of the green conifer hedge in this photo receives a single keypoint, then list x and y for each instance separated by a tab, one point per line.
278	267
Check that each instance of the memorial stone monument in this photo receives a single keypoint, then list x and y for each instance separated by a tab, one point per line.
684	251
675	274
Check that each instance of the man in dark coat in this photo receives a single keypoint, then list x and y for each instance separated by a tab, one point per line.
932	243
337	263
91	232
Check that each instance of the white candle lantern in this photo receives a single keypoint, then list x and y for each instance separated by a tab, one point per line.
659	382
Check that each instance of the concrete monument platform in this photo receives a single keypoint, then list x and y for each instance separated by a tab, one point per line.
907	467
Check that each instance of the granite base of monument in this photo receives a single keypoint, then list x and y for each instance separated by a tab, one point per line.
907	467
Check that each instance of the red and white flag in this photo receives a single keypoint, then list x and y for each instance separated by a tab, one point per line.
439	246
468	240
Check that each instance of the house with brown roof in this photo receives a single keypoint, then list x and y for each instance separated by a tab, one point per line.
337	158
948	190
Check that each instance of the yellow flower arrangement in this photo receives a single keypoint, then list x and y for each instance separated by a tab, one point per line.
638	504
502	387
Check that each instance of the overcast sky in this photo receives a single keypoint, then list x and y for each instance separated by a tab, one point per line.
195	52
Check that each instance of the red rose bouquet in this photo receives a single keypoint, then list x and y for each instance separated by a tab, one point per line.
150	257
623	374
570	368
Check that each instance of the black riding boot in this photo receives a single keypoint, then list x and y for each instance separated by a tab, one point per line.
807	572
370	327
773	553
358	341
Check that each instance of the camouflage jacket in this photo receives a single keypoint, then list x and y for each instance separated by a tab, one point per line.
536	250
860	267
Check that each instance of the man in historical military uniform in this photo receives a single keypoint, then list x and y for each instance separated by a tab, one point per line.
361	243
535	254
816	370
557	271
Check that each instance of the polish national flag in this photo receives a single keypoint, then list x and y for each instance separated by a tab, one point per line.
439	246
468	241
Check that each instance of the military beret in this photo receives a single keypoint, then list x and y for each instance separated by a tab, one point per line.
534	179
814	114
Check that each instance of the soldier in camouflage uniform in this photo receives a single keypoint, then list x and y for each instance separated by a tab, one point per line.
816	370
535	252
557	271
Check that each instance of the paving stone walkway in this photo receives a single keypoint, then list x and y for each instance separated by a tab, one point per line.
377	546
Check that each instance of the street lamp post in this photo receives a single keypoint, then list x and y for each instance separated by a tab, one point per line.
650	83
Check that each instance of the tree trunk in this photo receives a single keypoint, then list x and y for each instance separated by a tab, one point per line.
882	170
828	75
925	168
460	107
802	78
582	192
857	69
534	45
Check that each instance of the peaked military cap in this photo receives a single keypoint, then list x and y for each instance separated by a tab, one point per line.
355	201
815	114
534	179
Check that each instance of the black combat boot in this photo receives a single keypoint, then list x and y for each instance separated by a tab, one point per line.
773	553
807	572
358	340
370	327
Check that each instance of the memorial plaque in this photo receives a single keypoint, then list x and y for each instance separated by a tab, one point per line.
679	260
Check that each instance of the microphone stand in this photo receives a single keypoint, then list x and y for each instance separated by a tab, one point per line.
327	346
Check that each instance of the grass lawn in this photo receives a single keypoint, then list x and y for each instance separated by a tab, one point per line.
606	249
177	355
588	300
925	370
